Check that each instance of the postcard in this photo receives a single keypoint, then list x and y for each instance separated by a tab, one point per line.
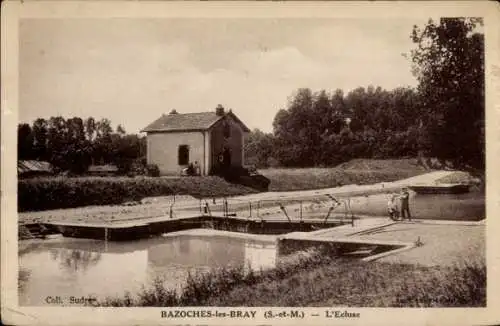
250	163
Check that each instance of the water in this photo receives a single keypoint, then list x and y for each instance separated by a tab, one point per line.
462	207
91	268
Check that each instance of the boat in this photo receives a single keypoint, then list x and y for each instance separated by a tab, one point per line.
441	189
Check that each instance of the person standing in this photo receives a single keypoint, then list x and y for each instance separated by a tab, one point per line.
392	207
405	204
197	170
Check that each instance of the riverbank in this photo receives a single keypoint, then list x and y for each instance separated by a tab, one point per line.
50	193
449	254
357	171
313	280
446	268
364	200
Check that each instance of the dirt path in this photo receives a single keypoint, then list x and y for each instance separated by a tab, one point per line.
428	178
349	190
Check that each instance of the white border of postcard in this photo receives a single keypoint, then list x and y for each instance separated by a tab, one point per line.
13	11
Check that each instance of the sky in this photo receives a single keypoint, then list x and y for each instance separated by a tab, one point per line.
132	70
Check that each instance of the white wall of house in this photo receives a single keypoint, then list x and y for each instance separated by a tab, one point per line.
205	170
162	150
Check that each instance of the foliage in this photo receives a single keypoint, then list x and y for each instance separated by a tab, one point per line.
443	117
259	149
462	286
325	129
449	64
153	170
202	287
53	193
311	279
74	144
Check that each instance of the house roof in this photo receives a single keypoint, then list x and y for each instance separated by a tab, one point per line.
178	122
33	166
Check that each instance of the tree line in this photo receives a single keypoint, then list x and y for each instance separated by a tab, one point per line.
442	117
74	144
324	129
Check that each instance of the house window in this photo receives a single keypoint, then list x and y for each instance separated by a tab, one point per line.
183	155
227	129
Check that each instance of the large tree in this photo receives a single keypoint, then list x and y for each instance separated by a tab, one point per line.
25	142
40	139
448	62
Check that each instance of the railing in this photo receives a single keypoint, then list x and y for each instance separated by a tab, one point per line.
254	209
291	209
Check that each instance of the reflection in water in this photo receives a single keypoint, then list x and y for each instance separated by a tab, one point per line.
76	268
23	278
75	260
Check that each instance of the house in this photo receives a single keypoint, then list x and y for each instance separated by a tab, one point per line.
32	168
212	139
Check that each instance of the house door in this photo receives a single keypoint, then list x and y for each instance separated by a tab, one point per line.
226	158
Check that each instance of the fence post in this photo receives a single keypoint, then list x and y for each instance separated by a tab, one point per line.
250	209
106	238
225	207
301	210
350	210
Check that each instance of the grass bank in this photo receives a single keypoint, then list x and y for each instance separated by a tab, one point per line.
310	279
61	192
358	171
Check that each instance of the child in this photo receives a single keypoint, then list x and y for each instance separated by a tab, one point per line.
405	204
392	207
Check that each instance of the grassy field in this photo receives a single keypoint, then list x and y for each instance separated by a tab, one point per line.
311	279
359	171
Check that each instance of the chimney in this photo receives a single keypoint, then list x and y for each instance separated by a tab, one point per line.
219	110
173	112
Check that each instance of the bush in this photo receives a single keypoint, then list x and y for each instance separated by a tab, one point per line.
312	278
202	287
53	193
153	170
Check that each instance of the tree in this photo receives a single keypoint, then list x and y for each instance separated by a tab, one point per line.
90	129
25	142
40	139
448	62
57	142
126	149
78	150
120	130
102	153
259	148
